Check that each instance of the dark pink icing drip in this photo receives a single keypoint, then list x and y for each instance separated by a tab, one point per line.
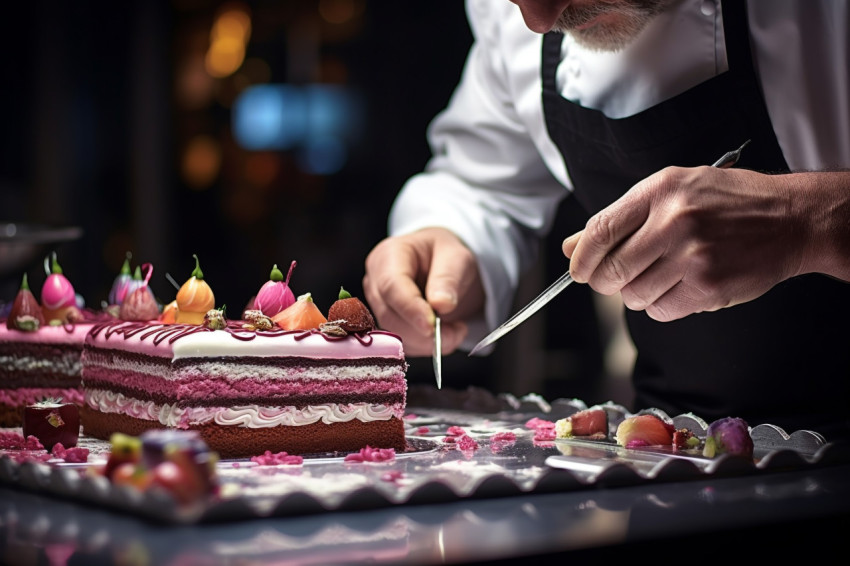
159	332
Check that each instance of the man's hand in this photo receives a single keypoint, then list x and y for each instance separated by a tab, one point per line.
433	259
684	241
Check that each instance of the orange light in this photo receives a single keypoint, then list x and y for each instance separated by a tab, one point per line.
201	162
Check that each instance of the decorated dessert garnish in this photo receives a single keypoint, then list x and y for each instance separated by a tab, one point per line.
122	281
684	438
215	319
303	314
350	313
729	435
275	295
176	461
140	304
169	313
589	422
52	422
644	430
58	299
124	449
256	320
194	298
26	313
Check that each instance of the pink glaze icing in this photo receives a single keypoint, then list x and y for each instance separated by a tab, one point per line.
62	334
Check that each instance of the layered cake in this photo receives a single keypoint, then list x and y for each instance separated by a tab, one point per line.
246	391
283	378
40	346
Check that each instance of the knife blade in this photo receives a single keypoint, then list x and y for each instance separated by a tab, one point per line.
437	355
550	293
728	159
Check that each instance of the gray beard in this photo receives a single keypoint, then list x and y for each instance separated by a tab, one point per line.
633	16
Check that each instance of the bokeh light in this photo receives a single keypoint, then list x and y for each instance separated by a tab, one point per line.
270	117
201	162
228	41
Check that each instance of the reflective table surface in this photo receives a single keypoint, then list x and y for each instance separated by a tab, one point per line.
766	516
503	501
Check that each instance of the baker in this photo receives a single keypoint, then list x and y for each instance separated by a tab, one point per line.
735	280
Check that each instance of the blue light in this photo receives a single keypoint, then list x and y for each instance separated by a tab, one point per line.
322	155
270	117
316	120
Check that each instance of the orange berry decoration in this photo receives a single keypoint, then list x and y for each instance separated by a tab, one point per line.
194	298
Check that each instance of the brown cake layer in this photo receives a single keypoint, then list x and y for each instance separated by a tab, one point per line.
244	442
50	363
11	416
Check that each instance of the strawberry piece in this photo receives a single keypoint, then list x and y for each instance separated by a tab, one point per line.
350	313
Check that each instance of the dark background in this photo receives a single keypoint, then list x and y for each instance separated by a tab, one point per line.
102	103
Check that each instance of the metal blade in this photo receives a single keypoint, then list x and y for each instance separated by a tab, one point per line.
437	355
559	285
730	158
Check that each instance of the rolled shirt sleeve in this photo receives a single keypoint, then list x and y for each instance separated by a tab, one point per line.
486	181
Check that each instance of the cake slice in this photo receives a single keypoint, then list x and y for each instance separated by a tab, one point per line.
40	346
246	390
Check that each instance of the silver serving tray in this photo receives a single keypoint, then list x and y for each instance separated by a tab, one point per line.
432	470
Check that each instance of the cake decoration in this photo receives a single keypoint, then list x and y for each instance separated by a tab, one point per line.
178	462
140	304
303	314
121	283
52	422
26	313
275	295
215	319
58	299
194	298
350	313
256	320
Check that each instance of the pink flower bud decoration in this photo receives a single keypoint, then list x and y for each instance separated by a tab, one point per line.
275	295
119	286
140	304
57	292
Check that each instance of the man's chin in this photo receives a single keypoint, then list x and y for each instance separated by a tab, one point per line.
601	40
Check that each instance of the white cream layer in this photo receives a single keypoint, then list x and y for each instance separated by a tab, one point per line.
205	344
250	416
230	371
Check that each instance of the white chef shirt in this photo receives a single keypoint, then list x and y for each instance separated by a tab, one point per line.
496	178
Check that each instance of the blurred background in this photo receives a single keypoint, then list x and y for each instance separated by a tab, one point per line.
254	133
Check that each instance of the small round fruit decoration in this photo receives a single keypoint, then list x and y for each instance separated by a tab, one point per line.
140	304
194	298
58	299
121	283
26	312
275	295
350	313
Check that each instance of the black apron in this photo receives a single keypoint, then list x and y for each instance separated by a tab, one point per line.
783	358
